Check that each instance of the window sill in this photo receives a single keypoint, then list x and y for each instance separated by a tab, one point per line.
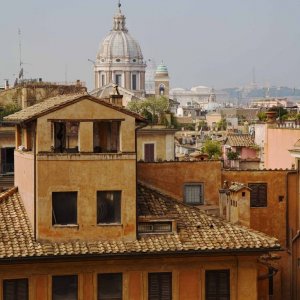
109	224
76	226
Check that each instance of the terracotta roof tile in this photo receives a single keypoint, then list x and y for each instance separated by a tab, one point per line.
196	231
50	104
240	140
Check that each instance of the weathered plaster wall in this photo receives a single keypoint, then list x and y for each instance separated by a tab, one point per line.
24	163
278	142
170	177
86	175
188	276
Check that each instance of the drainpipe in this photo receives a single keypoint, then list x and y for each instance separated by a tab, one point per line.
34	181
136	180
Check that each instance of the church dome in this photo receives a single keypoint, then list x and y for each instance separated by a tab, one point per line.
162	69
119	45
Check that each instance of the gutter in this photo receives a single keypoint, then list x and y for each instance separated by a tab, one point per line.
172	254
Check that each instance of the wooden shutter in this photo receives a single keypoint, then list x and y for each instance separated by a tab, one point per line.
149	152
258	194
217	285
15	289
160	286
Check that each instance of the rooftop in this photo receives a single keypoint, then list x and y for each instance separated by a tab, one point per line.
196	232
54	103
240	140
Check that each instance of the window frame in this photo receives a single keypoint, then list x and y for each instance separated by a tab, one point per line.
160	274
202	199
257	203
217	290
99	296
56	224
27	297
65	275
118	222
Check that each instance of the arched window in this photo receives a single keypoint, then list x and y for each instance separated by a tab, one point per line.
162	89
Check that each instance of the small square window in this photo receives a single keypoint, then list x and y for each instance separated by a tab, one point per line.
64	208
193	193
108	207
65	287
15	289
110	286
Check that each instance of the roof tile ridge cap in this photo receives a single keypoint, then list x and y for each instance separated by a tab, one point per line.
8	193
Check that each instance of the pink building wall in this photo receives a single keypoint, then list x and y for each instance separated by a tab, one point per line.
248	153
278	142
24	163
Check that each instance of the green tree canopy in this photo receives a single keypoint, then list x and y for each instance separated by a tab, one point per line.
152	108
8	110
212	148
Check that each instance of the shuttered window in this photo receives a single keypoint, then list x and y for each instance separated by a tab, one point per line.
258	194
110	286
15	289
65	287
160	286
193	193
217	285
149	152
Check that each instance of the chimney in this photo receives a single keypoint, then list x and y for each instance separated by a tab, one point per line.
116	98
6	84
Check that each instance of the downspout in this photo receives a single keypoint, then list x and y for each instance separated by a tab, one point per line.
34	181
136	180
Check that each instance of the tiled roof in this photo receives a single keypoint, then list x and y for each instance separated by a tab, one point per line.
196	232
51	104
240	140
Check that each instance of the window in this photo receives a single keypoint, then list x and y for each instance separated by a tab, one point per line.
118	79
258	194
154	227
160	286
15	289
108	207
149	152
102	80
110	286
134	82
65	287
64	208
217	285
161	89
106	137
66	137
193	193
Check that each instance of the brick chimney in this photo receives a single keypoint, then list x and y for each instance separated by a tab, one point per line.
116	98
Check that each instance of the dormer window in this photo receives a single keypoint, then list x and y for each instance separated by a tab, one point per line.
155	227
66	137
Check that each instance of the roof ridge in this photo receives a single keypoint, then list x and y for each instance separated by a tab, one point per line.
8	193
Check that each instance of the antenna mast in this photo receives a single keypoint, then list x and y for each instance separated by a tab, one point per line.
21	71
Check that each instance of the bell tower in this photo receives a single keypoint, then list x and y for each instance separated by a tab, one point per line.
162	81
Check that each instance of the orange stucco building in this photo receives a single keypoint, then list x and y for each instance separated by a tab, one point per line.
79	226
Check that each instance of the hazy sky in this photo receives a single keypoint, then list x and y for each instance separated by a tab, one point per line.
203	42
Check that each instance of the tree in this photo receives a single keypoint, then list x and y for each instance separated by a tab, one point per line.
232	155
222	124
262	116
8	110
152	108
212	148
281	112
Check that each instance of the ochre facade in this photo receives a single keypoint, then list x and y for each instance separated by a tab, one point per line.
188	275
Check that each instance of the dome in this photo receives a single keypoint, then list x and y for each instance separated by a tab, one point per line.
162	69
119	45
